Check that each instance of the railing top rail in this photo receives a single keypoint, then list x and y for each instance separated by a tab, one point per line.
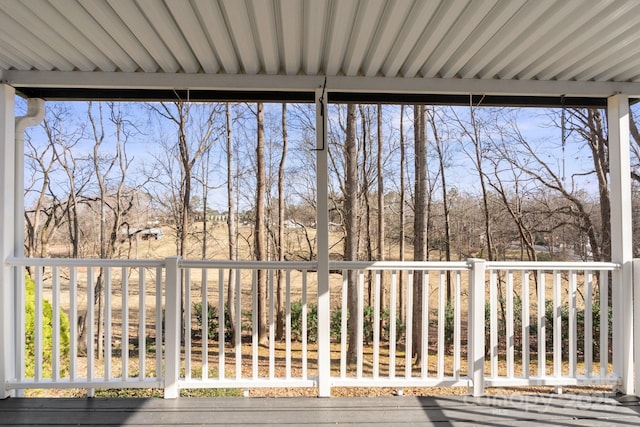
398	265
550	265
83	262
312	265
267	265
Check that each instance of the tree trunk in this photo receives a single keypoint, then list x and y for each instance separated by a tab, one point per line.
259	236
445	198
402	213
419	226
351	223
280	291
366	147
231	227
381	246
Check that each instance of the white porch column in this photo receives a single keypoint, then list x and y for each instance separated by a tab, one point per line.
477	295
173	324
322	233
621	239
7	237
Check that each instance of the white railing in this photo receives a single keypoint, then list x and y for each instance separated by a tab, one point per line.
473	323
549	324
249	362
390	360
65	287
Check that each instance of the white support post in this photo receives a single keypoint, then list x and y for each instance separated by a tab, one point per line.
7	238
477	326
636	331
322	232
35	114
621	238
173	323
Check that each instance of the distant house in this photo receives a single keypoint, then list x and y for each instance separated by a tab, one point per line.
144	233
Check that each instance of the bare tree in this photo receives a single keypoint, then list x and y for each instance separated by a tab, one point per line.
57	200
402	213
231	224
115	198
350	223
381	217
260	246
525	155
590	125
365	185
438	144
476	153
281	211
420	225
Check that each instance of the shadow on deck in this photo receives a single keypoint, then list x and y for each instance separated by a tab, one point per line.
505	410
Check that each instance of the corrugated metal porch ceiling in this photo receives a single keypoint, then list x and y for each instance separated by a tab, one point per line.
573	41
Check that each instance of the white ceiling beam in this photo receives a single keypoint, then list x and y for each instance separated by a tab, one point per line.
192	28
580	41
340	33
63	27
393	17
48	31
364	28
553	40
263	21
142	29
629	71
21	51
529	41
165	27
435	31
593	41
494	21
85	26
120	34
290	18
621	68
8	55
54	57
239	26
518	23
624	48
413	28
473	14
78	79
315	21
219	38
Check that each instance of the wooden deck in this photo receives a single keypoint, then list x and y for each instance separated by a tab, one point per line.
520	410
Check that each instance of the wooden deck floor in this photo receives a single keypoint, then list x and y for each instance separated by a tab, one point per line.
514	410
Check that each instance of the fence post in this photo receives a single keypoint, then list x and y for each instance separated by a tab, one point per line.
173	322
477	326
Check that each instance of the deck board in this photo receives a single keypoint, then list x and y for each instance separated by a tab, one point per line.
521	410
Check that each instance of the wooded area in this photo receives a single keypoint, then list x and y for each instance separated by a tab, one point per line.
493	183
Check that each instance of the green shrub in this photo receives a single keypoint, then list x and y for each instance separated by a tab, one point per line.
212	320
580	321
47	334
336	323
367	327
549	325
312	321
